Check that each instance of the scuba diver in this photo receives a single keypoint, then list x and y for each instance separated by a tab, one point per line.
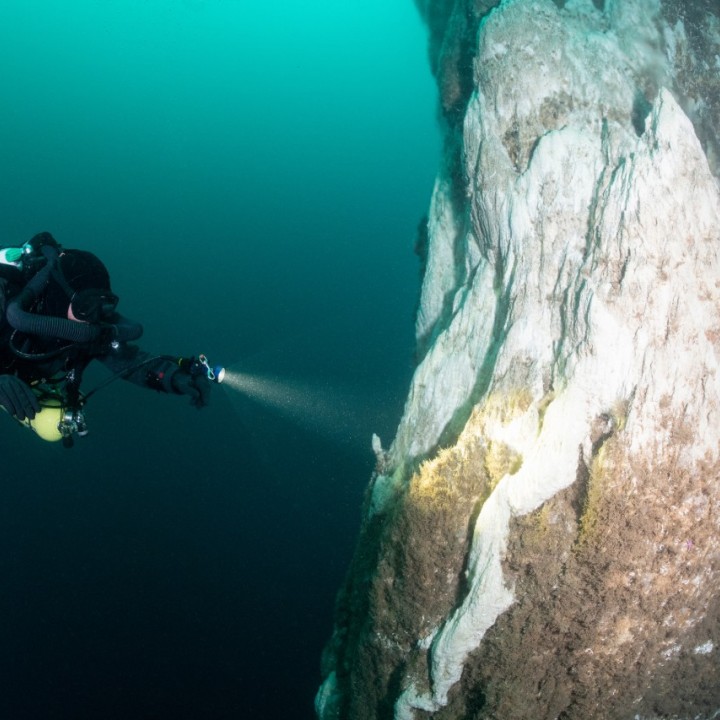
57	314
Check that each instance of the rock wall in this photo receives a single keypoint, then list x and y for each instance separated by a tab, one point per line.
541	538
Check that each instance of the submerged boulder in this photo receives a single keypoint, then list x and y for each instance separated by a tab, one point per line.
541	538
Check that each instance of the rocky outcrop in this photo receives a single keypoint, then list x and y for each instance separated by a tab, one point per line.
541	538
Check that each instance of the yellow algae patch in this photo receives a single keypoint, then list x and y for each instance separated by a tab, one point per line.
590	521
505	407
432	480
619	414
501	460
479	460
543	405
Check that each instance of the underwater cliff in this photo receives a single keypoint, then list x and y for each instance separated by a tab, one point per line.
540	540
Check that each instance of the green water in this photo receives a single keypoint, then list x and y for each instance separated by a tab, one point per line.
253	175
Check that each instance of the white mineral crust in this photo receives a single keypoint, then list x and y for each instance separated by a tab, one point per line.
583	271
590	268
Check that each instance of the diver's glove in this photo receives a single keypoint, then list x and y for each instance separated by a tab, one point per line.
17	398
197	386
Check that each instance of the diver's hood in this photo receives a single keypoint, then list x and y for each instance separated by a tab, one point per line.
78	279
74	271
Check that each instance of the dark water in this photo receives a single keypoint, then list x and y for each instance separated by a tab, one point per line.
253	175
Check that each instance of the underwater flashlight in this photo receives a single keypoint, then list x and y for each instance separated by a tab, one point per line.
201	366
216	373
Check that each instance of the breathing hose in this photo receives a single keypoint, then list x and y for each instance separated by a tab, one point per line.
19	317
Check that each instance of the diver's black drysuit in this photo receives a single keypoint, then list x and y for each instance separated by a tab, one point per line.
39	346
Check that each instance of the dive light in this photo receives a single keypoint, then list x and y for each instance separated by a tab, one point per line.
201	366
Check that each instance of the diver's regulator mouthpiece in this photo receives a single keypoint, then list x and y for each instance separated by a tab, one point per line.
201	366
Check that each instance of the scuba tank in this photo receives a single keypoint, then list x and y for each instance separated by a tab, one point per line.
56	422
58	417
61	415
